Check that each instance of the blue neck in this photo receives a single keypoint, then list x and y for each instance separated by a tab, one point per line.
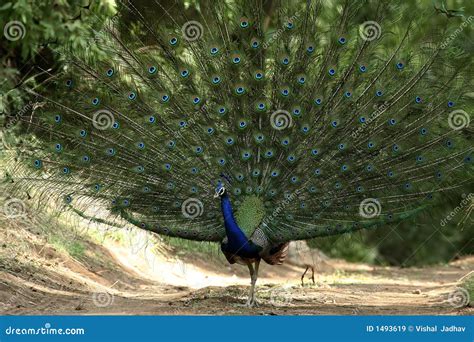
234	234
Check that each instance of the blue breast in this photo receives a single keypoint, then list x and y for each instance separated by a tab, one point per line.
237	241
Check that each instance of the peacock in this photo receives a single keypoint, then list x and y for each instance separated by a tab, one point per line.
301	255
254	123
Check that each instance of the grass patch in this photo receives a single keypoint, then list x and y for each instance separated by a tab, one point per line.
64	239
74	248
211	249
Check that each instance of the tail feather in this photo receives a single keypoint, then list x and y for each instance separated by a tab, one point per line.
333	129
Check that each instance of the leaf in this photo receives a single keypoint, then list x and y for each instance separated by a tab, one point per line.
6	6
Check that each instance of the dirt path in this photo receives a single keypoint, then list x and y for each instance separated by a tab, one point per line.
112	279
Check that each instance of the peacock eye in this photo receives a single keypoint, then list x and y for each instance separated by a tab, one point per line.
221	191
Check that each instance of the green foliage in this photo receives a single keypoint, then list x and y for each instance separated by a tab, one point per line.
428	238
350	247
34	34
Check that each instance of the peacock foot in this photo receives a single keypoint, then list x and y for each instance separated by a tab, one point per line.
251	303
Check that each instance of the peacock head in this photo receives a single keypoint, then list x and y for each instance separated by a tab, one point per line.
220	190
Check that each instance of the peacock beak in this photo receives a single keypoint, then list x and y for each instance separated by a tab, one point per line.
216	195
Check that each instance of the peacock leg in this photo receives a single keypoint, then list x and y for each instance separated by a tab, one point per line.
302	277
312	275
253	301
252	276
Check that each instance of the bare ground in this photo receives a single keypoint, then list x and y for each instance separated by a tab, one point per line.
110	279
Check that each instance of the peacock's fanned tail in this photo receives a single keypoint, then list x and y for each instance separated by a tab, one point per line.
333	116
